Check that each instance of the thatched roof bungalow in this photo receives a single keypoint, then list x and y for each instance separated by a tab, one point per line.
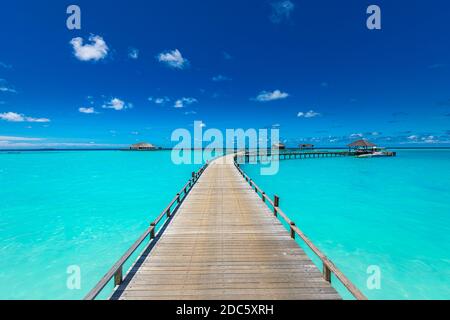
306	146
361	145
279	146
143	146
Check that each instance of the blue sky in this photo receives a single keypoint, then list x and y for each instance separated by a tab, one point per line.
308	67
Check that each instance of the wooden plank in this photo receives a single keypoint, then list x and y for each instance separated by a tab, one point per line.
224	243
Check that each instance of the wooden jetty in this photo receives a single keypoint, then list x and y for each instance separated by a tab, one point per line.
255	156
221	238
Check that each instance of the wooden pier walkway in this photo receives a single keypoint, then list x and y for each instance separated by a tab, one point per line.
224	242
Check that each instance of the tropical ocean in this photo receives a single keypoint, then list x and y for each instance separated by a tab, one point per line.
389	213
85	208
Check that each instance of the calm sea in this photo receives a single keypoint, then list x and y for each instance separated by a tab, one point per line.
85	208
391	213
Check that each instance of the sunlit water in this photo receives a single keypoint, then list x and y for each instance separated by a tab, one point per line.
81	208
392	213
85	208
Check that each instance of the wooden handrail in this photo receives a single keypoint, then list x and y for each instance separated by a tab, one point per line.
328	266
116	270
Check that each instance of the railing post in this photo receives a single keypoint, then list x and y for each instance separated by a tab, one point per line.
168	213
152	232
263	197
292	230
178	198
118	277
326	273
276	204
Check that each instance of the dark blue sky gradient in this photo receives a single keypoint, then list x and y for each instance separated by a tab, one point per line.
391	86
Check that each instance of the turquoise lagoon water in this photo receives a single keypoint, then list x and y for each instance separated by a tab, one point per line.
85	208
393	213
82	208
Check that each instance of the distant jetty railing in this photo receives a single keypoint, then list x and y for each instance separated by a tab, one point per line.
328	266
255	156
151	233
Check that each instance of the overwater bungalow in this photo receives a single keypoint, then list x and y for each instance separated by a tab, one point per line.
306	146
362	145
279	145
366	149
143	146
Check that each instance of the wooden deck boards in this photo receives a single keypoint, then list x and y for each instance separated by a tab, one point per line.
224	243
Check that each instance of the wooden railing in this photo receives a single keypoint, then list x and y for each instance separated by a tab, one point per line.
328	266
255	156
116	270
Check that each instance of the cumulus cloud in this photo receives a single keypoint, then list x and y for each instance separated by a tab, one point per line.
4	65
181	103
159	100
7	89
95	50
133	53
117	104
356	135
281	11
265	96
173	59
17	117
220	78
12	138
88	110
308	114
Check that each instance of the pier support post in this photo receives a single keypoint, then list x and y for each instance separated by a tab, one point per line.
292	230
152	232
326	273
118	277
276	204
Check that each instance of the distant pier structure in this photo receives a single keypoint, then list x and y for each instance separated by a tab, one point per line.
143	146
306	146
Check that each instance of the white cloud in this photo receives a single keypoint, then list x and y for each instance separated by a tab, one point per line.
181	103
133	53
281	10
173	59
4	65
96	50
117	104
220	77
190	112
308	114
12	138
413	137
88	110
265	96
356	135
227	56
7	89
430	139
160	100
17	117
30	144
